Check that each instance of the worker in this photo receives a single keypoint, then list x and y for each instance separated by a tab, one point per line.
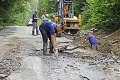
45	16
48	30
66	11
34	21
92	40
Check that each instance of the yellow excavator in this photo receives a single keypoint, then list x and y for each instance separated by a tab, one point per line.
65	16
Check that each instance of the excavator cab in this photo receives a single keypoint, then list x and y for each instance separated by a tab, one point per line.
66	8
65	15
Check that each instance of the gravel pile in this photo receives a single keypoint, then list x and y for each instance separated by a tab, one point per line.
10	62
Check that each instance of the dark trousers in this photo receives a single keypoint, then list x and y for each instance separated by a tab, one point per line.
45	34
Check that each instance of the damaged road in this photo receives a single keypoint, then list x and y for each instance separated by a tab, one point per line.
22	59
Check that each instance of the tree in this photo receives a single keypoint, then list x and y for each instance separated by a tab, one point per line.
48	5
13	11
78	5
103	13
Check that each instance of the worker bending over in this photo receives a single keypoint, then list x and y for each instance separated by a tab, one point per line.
92	40
48	30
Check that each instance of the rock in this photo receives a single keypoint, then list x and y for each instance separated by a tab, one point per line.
2	76
3	70
92	63
69	65
116	70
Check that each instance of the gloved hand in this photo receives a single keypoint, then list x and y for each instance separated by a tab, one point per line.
56	53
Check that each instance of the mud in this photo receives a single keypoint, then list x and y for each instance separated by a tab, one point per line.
107	42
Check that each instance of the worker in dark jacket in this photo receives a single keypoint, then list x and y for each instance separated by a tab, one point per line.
34	21
48	30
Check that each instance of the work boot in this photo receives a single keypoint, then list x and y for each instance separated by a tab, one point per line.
45	49
51	48
32	32
37	33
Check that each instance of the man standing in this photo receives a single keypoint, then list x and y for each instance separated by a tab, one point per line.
92	40
34	21
48	30
45	16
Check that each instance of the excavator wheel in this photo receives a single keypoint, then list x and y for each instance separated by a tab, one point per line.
73	31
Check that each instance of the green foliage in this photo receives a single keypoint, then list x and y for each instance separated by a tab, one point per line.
104	13
48	5
14	12
78	5
39	22
51	15
101	13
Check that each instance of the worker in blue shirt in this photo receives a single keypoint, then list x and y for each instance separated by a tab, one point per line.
48	30
92	40
34	21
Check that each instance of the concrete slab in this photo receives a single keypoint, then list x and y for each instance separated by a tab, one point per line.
63	40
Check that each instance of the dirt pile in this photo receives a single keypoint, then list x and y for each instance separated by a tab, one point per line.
107	43
110	43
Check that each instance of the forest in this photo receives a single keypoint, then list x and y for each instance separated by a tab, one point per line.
95	13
